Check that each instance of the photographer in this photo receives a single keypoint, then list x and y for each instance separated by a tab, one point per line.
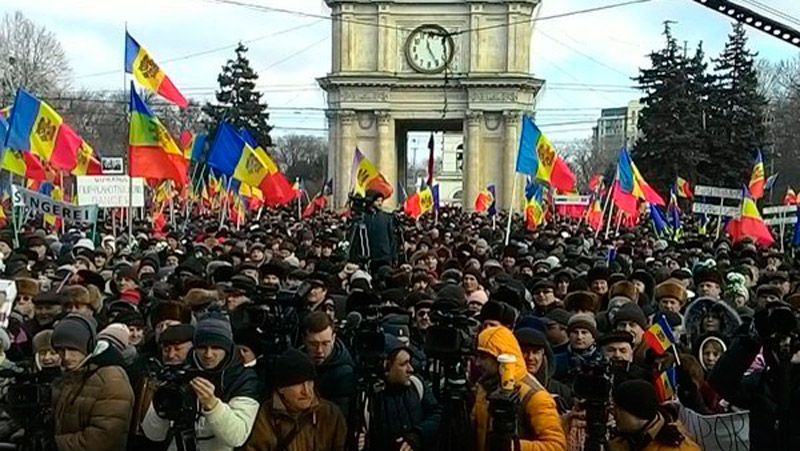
336	380
408	414
772	394
226	395
294	417
92	403
539	425
380	231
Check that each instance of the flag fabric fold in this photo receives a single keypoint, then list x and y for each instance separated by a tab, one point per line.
483	201
419	203
659	336
757	180
149	74
151	150
683	188
749	224
534	211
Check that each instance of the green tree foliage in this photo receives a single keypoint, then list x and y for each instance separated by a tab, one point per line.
736	123
671	123
238	100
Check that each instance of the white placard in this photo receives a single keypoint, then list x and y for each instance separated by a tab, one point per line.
777	220
110	191
715	191
715	209
16	197
563	199
778	209
113	165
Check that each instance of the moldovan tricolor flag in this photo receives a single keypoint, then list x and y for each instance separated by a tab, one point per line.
87	163
537	157
484	201
790	198
365	176
145	70
419	203
152	152
757	180
749	224
683	188
35	126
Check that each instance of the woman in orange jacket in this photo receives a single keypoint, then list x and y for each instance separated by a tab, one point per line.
540	427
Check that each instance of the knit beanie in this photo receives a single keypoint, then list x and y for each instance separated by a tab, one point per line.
631	312
291	368
75	331
583	321
637	397
214	329
115	334
41	341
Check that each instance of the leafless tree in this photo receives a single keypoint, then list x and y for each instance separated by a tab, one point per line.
302	156
30	57
584	159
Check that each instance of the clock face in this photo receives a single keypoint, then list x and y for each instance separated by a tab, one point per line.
429	49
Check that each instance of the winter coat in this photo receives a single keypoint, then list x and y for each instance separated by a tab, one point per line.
381	234
410	412
773	404
699	308
336	378
321	428
648	440
92	406
540	427
229	423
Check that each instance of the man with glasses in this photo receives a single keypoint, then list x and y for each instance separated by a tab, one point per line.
544	297
422	321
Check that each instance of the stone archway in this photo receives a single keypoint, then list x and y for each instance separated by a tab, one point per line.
382	80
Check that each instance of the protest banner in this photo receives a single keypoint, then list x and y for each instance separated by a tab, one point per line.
41	203
110	191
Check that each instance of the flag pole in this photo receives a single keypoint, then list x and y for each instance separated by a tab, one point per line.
719	218
603	212
608	219
13	210
511	208
299	202
130	176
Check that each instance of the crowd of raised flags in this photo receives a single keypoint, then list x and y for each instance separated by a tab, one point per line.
240	175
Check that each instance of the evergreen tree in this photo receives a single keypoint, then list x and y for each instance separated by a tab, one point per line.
671	122
238	101
736	123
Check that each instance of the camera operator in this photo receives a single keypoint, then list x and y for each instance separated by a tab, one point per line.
772	394
227	396
380	231
93	401
537	417
336	380
294	417
540	364
175	344
618	350
642	425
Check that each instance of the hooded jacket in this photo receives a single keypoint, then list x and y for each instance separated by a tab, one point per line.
649	439
336	379
697	311
541	427
227	425
92	405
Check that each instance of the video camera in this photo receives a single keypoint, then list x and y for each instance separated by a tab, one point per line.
778	327
448	339
592	384
28	401
174	398
272	315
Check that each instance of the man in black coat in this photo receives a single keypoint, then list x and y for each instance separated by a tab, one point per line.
380	229
772	394
405	415
336	379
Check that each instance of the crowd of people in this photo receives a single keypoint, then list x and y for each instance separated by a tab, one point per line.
284	335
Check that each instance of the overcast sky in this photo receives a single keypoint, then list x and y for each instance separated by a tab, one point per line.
587	59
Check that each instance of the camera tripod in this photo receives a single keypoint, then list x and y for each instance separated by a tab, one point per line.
366	412
452	389
184	435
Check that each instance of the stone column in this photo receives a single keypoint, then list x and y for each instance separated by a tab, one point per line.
472	159
512	120
345	152
387	157
333	153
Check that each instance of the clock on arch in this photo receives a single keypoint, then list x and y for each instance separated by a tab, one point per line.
429	49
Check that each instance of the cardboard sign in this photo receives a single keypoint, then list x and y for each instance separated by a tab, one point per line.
110	191
44	204
715	191
566	199
716	209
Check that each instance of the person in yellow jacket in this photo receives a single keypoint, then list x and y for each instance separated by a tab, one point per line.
540	427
